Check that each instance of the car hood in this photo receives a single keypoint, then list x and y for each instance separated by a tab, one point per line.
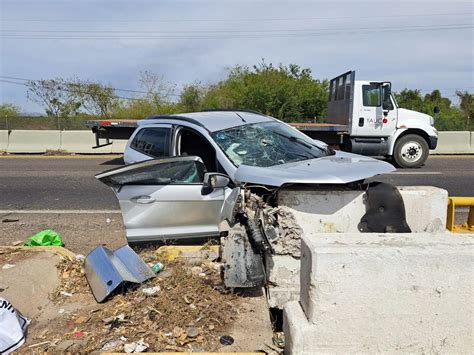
341	168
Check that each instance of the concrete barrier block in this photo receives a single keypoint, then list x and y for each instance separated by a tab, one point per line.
340	211
387	292
3	140
454	143
283	273
81	142
24	141
118	146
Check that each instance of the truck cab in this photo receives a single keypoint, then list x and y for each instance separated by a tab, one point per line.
372	123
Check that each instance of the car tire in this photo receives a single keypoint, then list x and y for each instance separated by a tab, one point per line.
410	151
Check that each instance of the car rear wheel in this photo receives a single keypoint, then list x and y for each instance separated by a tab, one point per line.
411	151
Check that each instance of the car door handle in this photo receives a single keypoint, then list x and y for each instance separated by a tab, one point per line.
143	199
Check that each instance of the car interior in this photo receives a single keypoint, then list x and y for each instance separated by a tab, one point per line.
192	143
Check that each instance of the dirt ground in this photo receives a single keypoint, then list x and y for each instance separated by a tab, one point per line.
191	311
80	233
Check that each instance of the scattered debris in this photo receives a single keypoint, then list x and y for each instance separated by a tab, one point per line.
108	220
157	267
226	340
7	266
47	237
66	294
136	347
10	220
151	290
12	327
17	242
106	270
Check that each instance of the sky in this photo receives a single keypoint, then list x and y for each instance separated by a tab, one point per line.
415	44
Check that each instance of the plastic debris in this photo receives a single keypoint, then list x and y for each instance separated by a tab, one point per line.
12	327
66	294
47	237
151	290
136	347
157	267
7	266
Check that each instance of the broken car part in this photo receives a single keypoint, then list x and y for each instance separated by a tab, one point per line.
106	270
385	210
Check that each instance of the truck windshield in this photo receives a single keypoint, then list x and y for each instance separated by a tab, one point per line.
266	144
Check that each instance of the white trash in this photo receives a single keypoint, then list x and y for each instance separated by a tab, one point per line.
12	327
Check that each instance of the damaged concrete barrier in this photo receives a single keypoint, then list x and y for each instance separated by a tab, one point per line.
340	211
383	293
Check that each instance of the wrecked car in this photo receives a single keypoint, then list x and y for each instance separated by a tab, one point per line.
202	174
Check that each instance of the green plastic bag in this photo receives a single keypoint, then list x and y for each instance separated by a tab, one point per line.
48	237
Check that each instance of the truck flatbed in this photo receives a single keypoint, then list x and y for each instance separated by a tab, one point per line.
320	127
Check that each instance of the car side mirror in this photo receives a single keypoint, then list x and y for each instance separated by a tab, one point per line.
214	181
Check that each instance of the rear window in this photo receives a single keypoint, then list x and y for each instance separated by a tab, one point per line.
153	141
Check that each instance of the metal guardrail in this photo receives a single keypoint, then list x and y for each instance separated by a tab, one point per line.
453	203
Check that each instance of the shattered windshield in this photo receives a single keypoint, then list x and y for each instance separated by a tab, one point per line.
266	144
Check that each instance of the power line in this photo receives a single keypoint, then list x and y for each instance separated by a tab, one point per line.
315	30
115	89
235	19
65	89
247	36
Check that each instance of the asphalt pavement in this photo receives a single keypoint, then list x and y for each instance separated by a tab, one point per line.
68	183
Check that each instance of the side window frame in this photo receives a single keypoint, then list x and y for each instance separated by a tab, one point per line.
142	131
365	98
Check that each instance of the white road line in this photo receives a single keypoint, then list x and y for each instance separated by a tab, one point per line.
58	211
415	173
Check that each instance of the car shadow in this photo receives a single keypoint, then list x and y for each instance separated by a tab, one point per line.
114	161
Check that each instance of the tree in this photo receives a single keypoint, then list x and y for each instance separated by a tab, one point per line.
286	92
466	105
191	97
55	96
158	90
9	110
95	98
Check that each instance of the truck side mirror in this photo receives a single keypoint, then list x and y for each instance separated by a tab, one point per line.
387	102
436	110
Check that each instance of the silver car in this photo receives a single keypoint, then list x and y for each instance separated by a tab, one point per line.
184	172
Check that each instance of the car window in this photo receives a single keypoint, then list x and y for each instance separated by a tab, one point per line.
153	141
371	95
176	172
266	144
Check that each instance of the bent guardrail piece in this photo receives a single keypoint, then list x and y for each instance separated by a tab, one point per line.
106	270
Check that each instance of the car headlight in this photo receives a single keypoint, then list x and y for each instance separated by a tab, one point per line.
431	121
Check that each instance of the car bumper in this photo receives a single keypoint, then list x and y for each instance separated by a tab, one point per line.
433	142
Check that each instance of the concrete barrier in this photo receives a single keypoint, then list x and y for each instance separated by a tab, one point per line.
3	140
376	293
340	211
81	142
25	141
455	143
319	211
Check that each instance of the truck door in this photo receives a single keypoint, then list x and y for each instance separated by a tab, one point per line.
375	118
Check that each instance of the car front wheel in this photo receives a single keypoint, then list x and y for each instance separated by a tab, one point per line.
411	151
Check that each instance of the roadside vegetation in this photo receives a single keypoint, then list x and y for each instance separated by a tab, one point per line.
289	93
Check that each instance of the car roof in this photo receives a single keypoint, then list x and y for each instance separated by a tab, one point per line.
212	120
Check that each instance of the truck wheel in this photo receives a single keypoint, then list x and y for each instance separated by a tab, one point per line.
411	151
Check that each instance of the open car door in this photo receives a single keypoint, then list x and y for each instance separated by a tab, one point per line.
171	198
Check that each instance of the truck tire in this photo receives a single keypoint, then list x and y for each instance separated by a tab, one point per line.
410	151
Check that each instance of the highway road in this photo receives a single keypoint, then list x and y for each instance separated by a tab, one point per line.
38	193
54	183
